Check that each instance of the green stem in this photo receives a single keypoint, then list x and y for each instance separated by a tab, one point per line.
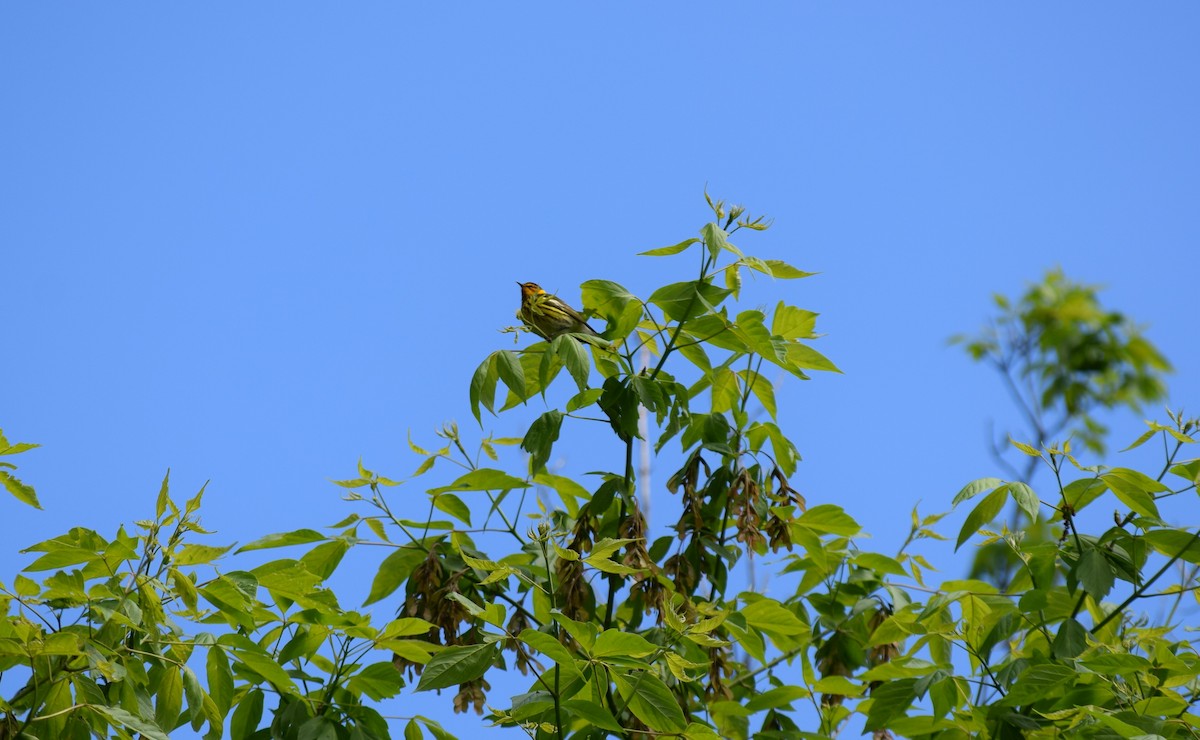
557	634
614	580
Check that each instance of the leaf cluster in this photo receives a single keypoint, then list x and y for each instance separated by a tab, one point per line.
497	565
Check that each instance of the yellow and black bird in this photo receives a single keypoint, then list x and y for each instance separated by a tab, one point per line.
548	316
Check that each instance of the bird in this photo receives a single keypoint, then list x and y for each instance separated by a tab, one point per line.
548	316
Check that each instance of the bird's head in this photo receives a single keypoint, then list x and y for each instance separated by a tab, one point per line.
530	289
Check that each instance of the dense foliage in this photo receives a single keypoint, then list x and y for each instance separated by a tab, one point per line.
516	568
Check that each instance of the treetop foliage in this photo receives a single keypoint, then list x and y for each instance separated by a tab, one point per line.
557	588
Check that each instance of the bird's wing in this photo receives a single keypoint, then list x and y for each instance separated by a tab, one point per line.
578	317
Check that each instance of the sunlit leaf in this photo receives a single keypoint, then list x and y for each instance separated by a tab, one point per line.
393	571
984	512
650	701
483	479
283	539
683	301
1135	489
454	506
673	249
456	665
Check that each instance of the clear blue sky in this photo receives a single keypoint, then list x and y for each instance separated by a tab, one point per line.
255	242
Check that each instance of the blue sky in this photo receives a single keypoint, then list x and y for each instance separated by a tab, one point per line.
252	244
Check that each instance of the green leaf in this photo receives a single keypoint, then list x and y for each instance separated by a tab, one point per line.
1080	493
220	679
540	438
121	718
456	665
508	366
697	731
595	714
840	685
880	563
255	659
976	487
24	586
454	506
1070	641
726	391
791	323
416	651
483	479
164	496
780	697
1136	490
784	271
574	358
1027	449
435	729
583	399
716	240
169	697
785	451
984	512
695	354
318	728
620	404
8	448
405	627
733	279
61	558
751	327
889	702
566	487
1140	440
323	559
763	390
616	305
612	642
552	649
61	643
583	632
683	301
199	554
1095	573
673	249
547	645
716	330
195	697
297	537
829	518
754	263
650	701
1117	664
23	493
548	366
1025	498
1040	682
804	357
769	615
378	681
1175	543
1189	471
611	566
248	714
483	386
394	570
